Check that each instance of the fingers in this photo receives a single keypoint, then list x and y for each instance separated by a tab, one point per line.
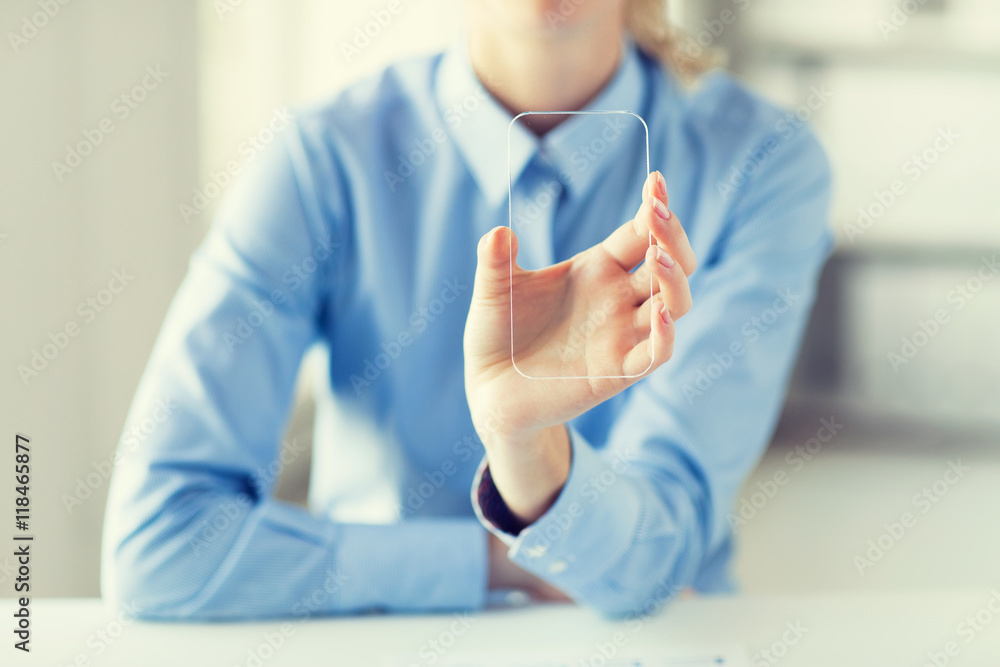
497	254
674	288
664	225
663	273
640	321
627	244
653	217
668	279
650	353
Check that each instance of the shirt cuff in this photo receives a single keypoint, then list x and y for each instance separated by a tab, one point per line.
415	565
587	530
491	508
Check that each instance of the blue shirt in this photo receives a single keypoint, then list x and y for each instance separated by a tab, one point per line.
356	231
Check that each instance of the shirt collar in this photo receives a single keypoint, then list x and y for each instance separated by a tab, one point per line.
479	126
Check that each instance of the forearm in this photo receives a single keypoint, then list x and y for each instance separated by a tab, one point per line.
218	556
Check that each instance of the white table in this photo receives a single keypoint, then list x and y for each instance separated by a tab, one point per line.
887	630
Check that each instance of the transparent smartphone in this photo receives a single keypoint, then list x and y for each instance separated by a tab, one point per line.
576	325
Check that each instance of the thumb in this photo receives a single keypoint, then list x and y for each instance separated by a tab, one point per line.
497	253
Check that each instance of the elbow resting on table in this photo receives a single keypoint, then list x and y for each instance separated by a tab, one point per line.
648	576
163	568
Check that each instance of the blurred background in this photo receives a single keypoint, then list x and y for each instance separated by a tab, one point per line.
902	352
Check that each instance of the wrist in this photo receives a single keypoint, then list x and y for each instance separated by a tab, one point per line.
496	427
529	472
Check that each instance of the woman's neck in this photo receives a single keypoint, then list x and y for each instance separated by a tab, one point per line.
545	70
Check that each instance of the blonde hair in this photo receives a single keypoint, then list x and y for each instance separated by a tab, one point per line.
650	27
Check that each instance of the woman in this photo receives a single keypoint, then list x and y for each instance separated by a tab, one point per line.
378	228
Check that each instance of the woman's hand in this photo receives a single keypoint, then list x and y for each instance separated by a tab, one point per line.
589	320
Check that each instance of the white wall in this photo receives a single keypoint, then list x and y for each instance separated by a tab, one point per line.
894	85
117	210
268	54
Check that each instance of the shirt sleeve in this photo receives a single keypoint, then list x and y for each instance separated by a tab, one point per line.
644	511
191	528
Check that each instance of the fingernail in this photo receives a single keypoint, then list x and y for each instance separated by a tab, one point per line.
660	209
663	258
664	313
661	184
